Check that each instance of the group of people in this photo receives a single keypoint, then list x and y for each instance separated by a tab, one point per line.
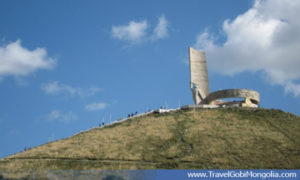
132	114
119	119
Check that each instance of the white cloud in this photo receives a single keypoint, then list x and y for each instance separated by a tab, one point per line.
292	88
136	31
16	60
96	106
54	88
161	29
60	116
265	38
133	32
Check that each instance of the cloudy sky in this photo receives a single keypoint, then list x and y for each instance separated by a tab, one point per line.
66	66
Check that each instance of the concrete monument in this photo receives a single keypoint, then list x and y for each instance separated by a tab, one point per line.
200	86
199	77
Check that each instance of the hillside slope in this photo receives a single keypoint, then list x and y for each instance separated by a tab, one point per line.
230	138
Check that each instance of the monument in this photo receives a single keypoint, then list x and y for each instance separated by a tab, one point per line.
200	86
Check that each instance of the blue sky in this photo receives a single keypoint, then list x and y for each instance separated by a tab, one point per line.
66	65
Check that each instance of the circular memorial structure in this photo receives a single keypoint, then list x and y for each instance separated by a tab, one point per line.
251	97
200	86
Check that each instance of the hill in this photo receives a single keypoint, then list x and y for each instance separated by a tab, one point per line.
222	138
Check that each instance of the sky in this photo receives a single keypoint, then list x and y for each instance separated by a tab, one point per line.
66	66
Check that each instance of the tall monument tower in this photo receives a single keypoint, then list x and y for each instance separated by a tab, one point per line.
199	78
200	86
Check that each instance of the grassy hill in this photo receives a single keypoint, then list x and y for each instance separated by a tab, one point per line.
226	138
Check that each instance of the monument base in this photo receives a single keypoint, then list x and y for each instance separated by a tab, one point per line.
219	105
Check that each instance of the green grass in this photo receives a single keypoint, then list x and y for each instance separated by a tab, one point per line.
224	138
